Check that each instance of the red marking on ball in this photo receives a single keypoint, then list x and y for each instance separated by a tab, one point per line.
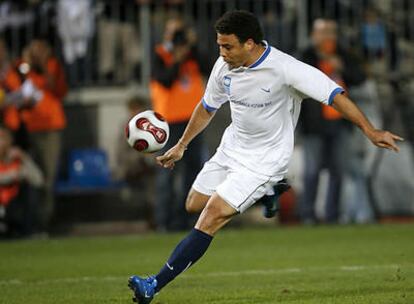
144	124
140	145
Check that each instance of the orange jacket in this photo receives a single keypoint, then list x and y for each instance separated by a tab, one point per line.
47	114
8	192
11	82
328	112
176	103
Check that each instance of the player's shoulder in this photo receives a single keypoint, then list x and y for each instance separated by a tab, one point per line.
220	67
283	63
220	64
278	57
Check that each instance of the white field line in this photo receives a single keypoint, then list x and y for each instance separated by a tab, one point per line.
209	274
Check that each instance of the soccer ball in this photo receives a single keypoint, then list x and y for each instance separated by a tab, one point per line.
147	132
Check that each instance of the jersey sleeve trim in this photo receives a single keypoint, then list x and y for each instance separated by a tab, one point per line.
334	93
207	107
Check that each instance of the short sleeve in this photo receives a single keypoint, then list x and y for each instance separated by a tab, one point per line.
215	95
310	81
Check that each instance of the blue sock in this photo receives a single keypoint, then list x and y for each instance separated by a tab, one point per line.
187	252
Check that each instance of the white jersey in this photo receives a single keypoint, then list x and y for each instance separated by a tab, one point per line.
265	102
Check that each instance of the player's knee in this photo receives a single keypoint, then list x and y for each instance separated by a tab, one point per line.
213	217
207	219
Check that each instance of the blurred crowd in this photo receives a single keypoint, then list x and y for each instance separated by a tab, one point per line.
32	90
49	47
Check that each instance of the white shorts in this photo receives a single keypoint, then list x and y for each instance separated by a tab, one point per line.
237	185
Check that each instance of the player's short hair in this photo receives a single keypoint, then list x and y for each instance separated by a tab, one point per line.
243	24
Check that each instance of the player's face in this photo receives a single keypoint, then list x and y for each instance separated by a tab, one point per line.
236	54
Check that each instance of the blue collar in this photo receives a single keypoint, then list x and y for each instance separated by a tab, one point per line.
262	57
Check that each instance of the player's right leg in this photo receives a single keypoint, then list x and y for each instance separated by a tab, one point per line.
193	246
215	215
233	190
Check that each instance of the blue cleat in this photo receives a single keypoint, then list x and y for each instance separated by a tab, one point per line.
271	202
144	289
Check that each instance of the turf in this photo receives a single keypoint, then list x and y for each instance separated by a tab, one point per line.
366	264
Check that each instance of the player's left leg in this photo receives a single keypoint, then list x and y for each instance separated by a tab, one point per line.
196	201
215	215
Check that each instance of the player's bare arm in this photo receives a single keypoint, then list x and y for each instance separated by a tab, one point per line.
350	111
198	122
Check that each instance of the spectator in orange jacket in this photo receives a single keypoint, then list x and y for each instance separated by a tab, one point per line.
176	88
43	88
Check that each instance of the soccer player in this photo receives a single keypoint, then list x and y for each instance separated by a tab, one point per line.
264	87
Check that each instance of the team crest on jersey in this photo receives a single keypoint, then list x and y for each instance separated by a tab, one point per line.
227	83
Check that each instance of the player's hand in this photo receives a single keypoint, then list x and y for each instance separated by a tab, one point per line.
385	139
171	156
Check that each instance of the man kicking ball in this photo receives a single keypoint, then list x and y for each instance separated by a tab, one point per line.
264	87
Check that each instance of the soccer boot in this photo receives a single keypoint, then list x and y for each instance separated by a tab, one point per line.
271	202
143	288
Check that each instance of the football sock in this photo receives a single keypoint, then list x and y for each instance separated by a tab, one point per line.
186	254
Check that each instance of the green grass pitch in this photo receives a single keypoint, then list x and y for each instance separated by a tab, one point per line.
330	264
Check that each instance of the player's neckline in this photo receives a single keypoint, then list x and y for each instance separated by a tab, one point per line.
262	57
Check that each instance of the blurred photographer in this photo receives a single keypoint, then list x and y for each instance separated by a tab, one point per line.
40	111
176	87
177	48
16	93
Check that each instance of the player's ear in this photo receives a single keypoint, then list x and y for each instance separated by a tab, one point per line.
249	44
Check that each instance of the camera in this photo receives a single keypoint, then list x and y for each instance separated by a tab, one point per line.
180	38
